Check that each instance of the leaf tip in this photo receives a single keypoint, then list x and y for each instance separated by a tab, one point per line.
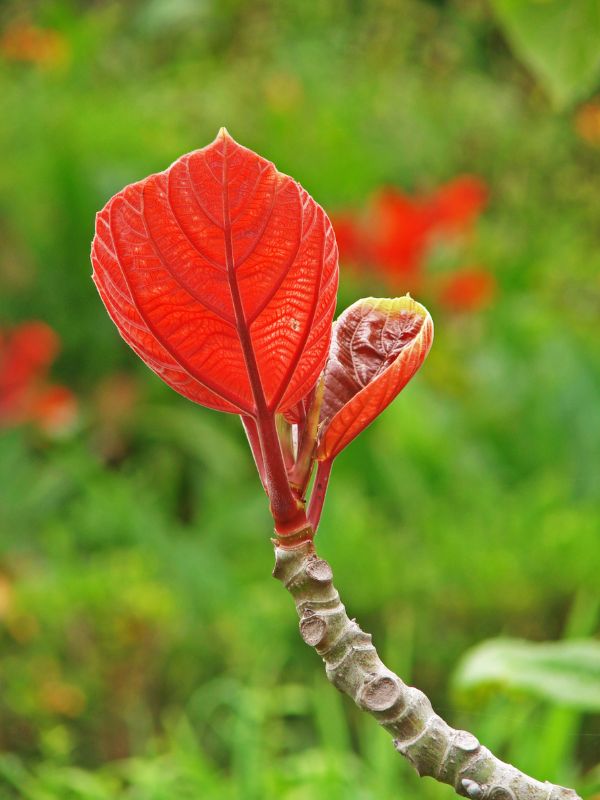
222	134
394	305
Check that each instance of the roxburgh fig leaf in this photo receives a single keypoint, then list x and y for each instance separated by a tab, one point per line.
221	273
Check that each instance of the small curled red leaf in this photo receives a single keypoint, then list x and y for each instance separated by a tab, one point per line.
221	273
378	345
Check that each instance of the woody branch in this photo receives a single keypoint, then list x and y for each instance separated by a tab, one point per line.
352	664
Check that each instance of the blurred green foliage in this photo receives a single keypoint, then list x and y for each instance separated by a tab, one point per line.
145	651
562	672
558	41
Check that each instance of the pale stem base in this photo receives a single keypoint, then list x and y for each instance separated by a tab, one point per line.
352	664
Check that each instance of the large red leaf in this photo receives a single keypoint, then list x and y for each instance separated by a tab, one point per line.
221	273
378	345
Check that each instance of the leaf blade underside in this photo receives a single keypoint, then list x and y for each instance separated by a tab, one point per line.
221	274
377	347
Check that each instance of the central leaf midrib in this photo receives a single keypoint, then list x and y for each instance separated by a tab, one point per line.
243	332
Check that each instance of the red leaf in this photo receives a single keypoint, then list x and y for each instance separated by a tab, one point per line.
378	345
221	273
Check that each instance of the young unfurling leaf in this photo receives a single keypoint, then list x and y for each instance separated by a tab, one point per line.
377	346
221	274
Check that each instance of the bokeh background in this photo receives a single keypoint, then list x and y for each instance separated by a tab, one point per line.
145	652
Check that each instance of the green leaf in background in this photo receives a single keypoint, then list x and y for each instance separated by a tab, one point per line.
566	673
558	40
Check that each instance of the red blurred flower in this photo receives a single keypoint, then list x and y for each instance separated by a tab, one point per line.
468	289
26	354
457	204
350	237
396	233
391	236
399	228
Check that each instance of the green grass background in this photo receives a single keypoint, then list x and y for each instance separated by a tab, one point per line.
469	510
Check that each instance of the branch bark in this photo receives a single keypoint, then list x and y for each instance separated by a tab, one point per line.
352	664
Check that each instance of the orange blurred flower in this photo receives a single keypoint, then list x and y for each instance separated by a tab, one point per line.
24	42
116	399
22	627
62	698
6	595
54	409
587	122
467	289
26	354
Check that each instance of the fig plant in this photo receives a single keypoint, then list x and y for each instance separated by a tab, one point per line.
221	273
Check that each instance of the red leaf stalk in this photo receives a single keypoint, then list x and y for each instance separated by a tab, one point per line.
317	497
